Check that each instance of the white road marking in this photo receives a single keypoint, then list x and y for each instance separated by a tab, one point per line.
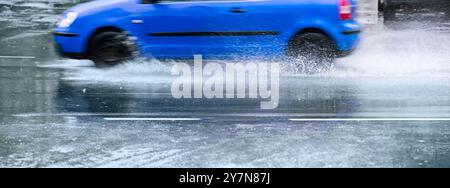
370	119
17	57
152	119
223	115
83	114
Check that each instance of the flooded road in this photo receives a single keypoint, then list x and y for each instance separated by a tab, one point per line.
388	105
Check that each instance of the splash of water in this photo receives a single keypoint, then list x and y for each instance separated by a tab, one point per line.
384	53
399	53
137	71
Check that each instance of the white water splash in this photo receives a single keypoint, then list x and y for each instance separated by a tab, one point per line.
136	71
406	53
384	53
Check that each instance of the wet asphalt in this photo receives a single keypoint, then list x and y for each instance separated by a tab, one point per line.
387	105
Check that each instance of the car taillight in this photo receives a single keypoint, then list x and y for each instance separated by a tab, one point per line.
345	10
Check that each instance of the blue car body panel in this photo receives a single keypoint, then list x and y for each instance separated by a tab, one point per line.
220	28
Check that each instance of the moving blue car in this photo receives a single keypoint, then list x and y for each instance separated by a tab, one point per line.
111	31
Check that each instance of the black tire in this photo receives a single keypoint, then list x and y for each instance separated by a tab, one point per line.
312	52
110	48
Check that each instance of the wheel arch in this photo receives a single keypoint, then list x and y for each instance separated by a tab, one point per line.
97	31
309	30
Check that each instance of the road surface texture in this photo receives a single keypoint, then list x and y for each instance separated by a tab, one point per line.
388	105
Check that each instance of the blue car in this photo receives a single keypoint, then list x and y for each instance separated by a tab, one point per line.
111	31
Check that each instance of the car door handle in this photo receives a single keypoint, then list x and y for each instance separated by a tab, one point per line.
137	21
238	10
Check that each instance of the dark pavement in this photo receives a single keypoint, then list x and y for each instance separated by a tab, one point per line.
388	105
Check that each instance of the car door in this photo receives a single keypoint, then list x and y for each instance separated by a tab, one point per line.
182	28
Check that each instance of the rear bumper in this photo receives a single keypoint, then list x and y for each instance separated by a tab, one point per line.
352	32
353	37
344	53
348	37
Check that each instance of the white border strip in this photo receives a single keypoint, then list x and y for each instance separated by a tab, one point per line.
152	119
17	57
368	119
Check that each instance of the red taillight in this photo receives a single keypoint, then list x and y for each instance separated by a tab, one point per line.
345	10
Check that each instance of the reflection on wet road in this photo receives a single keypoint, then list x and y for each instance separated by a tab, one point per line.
391	96
71	114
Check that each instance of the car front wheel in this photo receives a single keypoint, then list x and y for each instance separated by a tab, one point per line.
110	48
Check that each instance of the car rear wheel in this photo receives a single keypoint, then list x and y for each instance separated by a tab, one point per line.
312	52
110	48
